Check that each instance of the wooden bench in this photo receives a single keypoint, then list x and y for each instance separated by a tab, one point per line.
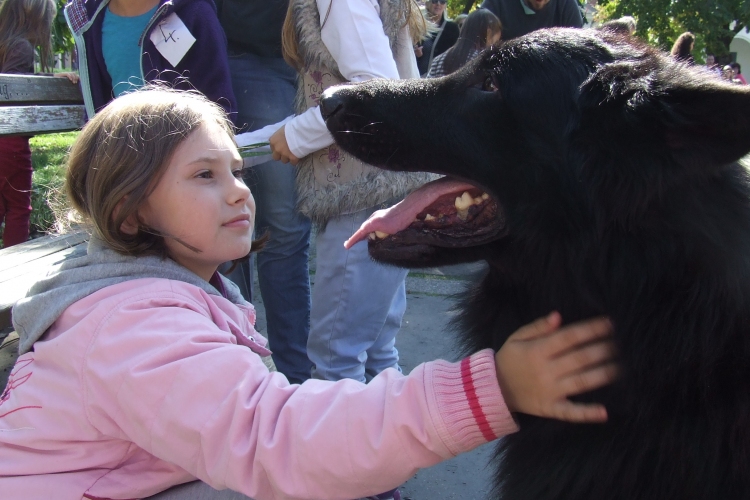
33	105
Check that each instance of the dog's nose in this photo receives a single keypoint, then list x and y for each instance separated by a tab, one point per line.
330	103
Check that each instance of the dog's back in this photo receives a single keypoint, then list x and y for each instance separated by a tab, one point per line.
616	170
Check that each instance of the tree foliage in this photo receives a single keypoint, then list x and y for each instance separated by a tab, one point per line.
62	38
713	22
456	7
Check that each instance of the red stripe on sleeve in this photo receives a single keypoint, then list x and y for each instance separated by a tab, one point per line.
471	396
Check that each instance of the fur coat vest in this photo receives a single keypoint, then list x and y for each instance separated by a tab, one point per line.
330	182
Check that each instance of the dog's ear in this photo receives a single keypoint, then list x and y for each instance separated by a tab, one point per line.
698	117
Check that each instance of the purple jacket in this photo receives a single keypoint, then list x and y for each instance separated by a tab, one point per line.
204	67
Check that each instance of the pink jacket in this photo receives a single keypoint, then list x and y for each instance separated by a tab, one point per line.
144	385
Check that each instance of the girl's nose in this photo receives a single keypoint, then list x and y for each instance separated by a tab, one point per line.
239	192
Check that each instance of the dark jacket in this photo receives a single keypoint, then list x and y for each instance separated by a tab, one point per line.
516	22
253	26
439	42
204	67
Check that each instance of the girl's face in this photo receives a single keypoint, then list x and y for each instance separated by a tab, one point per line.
493	38
202	201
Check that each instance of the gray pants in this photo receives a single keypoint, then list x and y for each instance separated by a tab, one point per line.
197	490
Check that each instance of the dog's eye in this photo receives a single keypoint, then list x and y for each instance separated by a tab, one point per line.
489	85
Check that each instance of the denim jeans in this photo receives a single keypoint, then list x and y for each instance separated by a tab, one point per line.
357	306
265	89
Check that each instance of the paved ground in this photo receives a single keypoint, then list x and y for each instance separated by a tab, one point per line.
423	337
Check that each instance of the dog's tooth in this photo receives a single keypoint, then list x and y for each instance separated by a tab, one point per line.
429	217
478	200
381	234
464	201
372	236
485	196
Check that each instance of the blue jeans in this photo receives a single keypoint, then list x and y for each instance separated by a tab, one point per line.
357	306
265	89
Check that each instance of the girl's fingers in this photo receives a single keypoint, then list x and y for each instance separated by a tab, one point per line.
579	412
588	380
574	335
538	328
577	360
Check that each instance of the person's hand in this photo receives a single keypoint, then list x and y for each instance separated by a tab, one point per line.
418	51
73	77
541	365
280	149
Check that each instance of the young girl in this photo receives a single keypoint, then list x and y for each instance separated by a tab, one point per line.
140	368
481	30
24	24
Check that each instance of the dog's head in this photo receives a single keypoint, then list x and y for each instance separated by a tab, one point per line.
566	130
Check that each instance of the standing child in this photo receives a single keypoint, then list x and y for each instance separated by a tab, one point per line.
482	29
357	304
123	44
24	24
140	368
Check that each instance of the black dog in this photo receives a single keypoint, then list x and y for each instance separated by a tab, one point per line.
614	189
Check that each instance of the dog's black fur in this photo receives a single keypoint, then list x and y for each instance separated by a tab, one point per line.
620	193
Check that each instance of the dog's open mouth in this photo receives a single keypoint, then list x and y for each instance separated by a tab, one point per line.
445	213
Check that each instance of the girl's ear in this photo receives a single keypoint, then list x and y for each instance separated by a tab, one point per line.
131	224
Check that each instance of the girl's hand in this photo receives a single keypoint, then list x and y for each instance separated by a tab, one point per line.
73	77
539	367
280	148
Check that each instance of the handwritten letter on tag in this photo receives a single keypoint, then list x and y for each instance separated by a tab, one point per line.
172	39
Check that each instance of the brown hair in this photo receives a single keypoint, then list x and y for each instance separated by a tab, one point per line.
119	157
683	45
411	15
29	20
473	37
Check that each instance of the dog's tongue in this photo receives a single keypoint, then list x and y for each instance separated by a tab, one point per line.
401	215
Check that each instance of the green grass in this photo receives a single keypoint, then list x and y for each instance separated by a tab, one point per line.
49	154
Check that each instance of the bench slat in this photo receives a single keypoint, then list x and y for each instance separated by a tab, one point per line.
33	120
36	249
16	89
16	281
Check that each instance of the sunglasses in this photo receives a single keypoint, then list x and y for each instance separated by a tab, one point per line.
442	2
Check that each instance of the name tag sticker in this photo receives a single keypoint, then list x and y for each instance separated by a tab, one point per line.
172	39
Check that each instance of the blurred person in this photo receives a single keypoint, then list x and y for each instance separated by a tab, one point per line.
683	47
727	72
738	72
481	30
712	66
520	17
438	40
24	25
264	86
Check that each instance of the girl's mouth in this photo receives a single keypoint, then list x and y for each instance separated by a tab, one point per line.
242	220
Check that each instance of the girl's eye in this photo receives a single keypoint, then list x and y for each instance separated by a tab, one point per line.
205	174
237	173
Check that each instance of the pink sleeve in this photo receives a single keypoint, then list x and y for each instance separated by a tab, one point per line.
171	381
